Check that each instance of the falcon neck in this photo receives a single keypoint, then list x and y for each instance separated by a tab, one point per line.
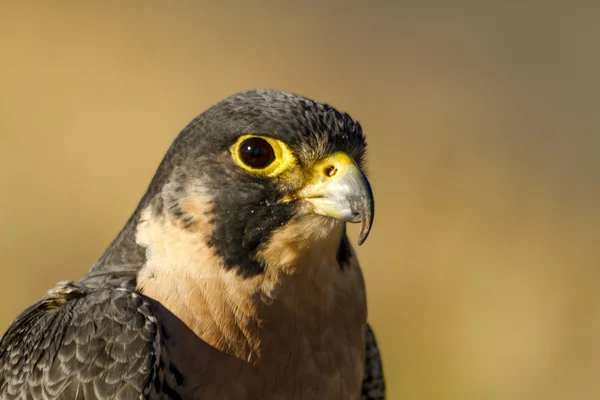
124	249
302	292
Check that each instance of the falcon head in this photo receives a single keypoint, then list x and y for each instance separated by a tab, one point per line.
258	169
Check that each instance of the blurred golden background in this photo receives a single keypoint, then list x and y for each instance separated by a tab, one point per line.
483	268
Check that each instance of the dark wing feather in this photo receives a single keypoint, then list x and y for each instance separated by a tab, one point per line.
80	343
373	387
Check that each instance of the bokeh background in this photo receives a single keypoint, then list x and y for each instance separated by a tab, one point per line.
483	268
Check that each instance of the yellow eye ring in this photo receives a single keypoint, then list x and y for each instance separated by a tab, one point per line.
262	155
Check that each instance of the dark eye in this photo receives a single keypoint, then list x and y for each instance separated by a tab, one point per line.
256	153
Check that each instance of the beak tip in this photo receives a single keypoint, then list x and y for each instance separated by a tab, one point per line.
365	228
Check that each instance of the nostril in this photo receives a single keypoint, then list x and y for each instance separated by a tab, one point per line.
331	170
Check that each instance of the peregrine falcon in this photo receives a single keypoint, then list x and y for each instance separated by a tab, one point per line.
233	279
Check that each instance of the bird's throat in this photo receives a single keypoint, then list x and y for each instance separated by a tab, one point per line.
303	291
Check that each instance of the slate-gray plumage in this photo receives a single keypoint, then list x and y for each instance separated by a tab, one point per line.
112	336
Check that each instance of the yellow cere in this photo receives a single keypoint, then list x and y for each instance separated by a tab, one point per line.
337	161
284	158
326	171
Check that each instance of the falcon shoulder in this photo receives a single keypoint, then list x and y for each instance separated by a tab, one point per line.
373	386
85	342
81	343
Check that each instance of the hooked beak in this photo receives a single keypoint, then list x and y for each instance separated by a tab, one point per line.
338	189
